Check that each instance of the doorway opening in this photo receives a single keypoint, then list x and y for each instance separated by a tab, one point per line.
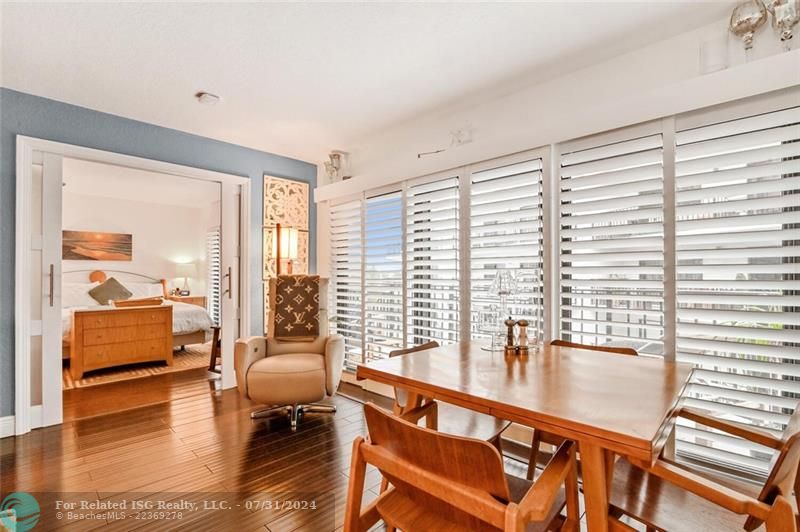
128	281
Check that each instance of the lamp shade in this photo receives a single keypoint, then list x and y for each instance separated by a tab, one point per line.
288	242
185	269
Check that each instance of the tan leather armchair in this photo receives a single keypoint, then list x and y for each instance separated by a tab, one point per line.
291	377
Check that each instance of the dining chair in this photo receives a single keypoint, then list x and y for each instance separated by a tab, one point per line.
445	482
216	345
459	421
540	436
674	497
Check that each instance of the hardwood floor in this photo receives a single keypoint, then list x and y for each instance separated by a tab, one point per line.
197	446
116	397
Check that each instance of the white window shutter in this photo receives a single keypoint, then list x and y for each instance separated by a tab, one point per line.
738	279
432	262
344	290
383	275
612	243
214	274
506	234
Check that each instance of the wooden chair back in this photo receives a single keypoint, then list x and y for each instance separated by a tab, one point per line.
465	473
783	475
605	348
405	401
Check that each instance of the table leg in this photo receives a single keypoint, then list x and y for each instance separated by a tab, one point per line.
595	486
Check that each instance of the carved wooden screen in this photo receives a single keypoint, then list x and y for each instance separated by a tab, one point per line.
285	203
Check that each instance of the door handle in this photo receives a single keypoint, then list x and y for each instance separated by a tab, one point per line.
229	291
52	283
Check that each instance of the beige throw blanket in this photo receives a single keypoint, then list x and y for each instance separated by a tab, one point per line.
296	308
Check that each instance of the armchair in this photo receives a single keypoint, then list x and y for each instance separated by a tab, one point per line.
290	376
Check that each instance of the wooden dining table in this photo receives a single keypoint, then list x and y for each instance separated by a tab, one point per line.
610	404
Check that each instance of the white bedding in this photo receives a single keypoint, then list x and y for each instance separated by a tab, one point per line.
185	318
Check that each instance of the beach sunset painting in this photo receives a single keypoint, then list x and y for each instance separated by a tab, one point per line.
88	245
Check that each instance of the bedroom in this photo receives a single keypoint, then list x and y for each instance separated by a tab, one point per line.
130	236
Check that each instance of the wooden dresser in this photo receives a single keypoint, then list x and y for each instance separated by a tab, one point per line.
113	337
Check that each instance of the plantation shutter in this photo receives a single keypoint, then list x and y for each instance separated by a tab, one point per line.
506	234
383	275
432	262
214	274
738	243
346	277
612	248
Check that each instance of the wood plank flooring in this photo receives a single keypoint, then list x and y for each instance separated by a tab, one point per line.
198	445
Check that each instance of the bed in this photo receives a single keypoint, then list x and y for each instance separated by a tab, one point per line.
97	336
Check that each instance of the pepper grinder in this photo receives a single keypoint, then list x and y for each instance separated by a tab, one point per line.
509	323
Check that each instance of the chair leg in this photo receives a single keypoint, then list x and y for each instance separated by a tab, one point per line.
536	442
212	363
313	407
269	412
497	443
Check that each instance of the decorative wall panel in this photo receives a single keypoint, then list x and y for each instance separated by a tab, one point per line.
285	203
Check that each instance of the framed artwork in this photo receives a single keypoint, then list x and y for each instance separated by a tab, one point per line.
91	245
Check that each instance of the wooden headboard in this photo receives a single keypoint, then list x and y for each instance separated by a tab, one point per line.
99	276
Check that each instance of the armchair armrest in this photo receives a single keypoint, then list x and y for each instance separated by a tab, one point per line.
246	352
539	499
752	434
334	362
720	495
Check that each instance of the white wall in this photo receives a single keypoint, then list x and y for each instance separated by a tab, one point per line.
658	80
162	234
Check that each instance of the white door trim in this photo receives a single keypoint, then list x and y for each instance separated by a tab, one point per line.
24	420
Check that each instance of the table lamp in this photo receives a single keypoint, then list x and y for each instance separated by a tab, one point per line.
185	270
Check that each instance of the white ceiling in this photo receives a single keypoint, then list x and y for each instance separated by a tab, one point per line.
119	182
301	79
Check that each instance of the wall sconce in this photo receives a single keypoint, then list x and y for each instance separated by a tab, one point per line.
337	166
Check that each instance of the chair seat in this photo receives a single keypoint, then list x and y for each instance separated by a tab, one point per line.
462	422
401	512
664	506
287	379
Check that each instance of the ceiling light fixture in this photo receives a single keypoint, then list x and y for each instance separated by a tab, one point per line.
206	98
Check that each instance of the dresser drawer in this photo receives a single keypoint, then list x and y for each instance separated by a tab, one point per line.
124	334
125	318
123	353
152	316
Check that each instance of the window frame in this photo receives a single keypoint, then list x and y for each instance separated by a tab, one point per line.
550	156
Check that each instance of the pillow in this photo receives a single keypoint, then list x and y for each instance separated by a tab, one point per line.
140	290
109	291
77	295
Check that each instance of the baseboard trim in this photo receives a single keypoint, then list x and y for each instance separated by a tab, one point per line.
6	426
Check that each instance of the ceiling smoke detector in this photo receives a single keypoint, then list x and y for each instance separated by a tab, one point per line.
206	98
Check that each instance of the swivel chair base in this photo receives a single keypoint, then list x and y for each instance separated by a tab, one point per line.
293	411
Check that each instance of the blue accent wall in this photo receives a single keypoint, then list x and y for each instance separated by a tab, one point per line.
25	114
